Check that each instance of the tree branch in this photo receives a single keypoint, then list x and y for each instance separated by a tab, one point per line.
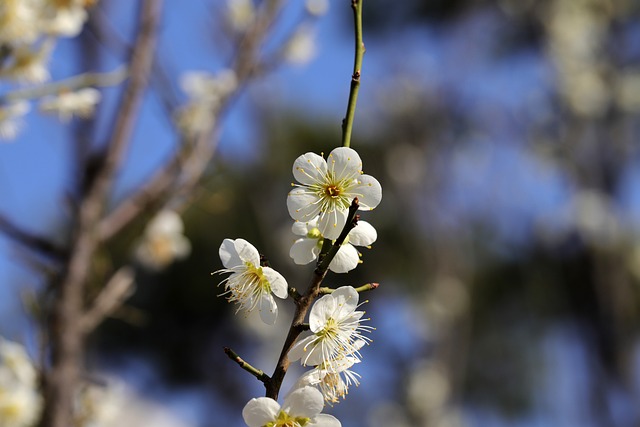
65	330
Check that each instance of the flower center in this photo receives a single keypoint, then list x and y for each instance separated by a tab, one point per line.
286	420
330	329
332	191
257	273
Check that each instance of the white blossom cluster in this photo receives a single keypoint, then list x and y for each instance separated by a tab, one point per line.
319	204
163	241
28	33
20	401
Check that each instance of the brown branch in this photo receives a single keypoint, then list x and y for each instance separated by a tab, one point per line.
65	330
32	241
190	163
112	295
303	304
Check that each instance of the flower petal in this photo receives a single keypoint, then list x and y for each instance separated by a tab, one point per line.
363	234
369	192
346	300
321	311
268	309
303	251
344	162
277	282
309	169
260	411
345	260
247	252
229	254
304	402
302	204
297	351
331	224
324	420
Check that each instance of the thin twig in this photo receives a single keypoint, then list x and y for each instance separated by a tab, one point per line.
40	244
114	293
347	123
359	289
260	375
111	78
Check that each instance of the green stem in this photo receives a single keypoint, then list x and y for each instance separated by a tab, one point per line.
347	122
246	366
364	288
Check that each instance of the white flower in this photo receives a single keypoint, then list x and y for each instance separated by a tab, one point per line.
301	47
317	7
18	21
307	248
10	118
301	408
240	14
65	21
333	378
206	92
29	65
163	241
98	405
327	190
336	330
20	402
67	104
251	285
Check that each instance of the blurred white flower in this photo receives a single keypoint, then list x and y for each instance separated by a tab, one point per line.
251	285
328	190
333	379
302	407
28	64
98	405
64	21
11	118
301	47
81	103
205	91
307	248
240	14
336	330
317	7
163	241
18	21
20	403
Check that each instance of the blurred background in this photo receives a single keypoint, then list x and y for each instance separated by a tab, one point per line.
505	136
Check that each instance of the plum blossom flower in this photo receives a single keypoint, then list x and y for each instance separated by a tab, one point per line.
20	402
240	14
336	330
307	248
333	378
301	48
163	241
67	104
301	408
11	118
327	188
251	285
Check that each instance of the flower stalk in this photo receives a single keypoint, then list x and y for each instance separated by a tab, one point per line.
347	122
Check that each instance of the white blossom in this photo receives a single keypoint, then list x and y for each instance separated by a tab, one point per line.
206	92
336	330
327	188
66	21
240	14
11	118
81	103
306	249
301	408
163	241
18	21
20	403
249	284
317	7
334	378
301	47
28	64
